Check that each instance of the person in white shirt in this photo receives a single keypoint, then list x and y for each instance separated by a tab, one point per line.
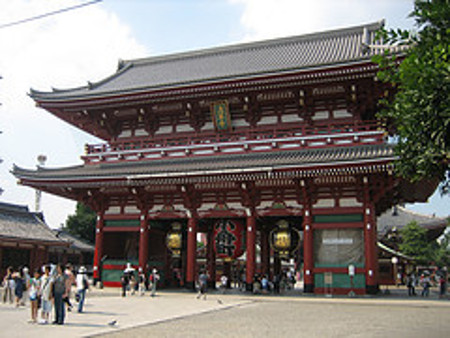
45	287
82	286
223	283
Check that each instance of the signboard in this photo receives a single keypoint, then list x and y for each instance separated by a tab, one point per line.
337	241
221	115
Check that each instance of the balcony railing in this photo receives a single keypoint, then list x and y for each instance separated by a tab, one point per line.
209	143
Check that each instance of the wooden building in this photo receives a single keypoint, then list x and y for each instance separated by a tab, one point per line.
25	239
79	252
273	143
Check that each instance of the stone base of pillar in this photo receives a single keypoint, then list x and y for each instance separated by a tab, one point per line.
308	288
190	286
249	287
372	289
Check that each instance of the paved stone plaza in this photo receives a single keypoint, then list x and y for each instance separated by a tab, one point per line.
180	314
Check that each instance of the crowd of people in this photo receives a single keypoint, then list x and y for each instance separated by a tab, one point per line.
139	282
47	289
426	281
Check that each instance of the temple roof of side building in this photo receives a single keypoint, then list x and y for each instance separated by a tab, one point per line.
17	223
398	217
211	165
241	61
75	242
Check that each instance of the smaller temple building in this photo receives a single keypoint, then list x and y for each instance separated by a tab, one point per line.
78	253
25	238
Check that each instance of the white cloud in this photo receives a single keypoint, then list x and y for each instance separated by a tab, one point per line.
63	51
269	19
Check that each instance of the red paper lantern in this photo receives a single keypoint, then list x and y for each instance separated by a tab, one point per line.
228	239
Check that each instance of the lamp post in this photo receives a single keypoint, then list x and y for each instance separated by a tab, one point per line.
37	202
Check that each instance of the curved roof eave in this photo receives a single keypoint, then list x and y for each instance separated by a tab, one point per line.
251	61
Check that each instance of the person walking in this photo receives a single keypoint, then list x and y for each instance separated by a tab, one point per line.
126	278
8	285
141	283
223	283
59	292
411	283
45	287
154	278
443	283
426	283
26	280
19	287
82	287
202	285
70	280
33	289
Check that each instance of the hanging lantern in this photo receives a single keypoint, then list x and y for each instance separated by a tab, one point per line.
228	239
284	240
174	239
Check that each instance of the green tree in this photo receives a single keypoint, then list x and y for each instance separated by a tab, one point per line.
82	224
414	243
442	252
419	113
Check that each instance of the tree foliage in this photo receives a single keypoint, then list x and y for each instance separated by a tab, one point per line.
420	110
415	243
82	224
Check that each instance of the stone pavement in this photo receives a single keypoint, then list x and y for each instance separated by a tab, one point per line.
180	314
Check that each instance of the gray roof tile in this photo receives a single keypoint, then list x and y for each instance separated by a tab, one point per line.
342	46
17	222
296	158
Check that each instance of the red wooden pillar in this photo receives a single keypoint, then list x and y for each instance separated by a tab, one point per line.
251	242
308	250
98	254
370	240
191	252
143	241
265	252
211	259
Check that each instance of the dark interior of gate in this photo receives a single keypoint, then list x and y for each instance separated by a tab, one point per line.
221	246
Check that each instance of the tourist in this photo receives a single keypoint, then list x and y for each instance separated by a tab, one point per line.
19	287
276	283
265	284
45	287
70	280
82	287
133	284
202	285
154	278
426	283
26	279
59	292
411	283
124	280
443	283
141	283
33	289
256	285
8	285
223	283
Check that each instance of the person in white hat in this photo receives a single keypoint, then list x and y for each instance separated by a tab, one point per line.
82	286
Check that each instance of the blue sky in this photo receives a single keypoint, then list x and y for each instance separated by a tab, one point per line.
70	49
